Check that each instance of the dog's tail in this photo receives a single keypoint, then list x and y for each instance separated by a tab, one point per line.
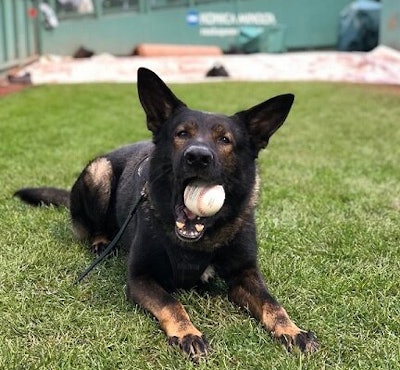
44	196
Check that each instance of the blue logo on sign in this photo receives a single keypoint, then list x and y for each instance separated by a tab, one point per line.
192	18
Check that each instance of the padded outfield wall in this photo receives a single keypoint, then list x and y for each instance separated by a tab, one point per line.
390	24
17	34
117	26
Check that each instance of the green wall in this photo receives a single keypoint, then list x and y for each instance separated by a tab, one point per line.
309	24
390	24
17	33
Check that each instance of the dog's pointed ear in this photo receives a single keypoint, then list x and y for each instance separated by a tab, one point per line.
265	118
156	98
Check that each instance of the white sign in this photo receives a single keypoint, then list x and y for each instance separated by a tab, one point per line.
227	24
239	19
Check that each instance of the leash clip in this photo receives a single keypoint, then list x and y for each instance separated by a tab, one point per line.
144	192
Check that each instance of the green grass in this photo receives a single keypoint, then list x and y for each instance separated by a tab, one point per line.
328	226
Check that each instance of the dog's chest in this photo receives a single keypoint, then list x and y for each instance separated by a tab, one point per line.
188	266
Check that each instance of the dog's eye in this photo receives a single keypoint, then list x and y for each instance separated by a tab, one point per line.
182	134
224	140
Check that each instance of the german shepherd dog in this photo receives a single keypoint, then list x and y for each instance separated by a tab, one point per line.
168	247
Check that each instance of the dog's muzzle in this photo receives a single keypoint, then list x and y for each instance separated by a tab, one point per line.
197	162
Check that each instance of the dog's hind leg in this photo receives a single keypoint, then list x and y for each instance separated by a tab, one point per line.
91	206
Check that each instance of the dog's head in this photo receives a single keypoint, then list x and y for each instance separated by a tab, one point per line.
214	148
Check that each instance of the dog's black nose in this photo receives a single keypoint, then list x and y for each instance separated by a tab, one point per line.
198	156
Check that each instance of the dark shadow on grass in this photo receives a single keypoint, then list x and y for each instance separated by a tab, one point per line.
214	288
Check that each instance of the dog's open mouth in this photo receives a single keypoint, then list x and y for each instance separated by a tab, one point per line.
188	226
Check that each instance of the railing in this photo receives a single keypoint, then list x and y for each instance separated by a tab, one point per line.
67	9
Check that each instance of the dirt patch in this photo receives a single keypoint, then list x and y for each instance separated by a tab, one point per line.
7	88
387	89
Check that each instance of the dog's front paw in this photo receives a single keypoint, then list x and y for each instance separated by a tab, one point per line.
194	346
305	341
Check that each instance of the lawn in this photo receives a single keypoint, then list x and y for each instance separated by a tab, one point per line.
328	229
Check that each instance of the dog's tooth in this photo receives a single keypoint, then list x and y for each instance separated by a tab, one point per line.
180	225
199	227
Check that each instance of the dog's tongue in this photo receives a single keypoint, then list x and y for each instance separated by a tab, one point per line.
189	214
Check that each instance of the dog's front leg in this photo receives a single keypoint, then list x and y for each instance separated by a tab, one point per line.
171	315
248	290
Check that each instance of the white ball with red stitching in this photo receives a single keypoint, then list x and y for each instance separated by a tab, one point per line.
204	200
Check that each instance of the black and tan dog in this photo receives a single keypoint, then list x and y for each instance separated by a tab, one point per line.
168	247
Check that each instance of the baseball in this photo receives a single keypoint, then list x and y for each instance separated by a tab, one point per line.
204	200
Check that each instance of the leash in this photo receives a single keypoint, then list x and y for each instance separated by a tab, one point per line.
113	244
